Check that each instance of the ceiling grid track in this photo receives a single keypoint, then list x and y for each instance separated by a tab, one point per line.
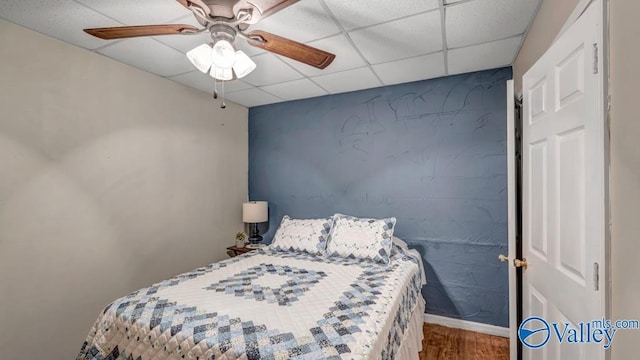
299	72
445	50
96	49
487	42
261	87
353	44
526	31
377	43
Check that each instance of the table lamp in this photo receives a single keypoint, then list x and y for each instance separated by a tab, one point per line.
254	212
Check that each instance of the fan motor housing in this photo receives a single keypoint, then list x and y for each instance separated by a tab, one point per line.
222	32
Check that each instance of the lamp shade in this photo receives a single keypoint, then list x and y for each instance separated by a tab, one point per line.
243	65
221	74
223	55
200	57
255	212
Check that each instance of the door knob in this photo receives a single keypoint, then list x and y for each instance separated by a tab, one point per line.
520	263
503	258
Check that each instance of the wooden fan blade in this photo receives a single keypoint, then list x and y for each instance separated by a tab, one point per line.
292	49
262	8
197	3
122	32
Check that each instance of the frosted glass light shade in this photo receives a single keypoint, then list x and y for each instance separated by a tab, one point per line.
255	212
221	61
200	57
223	54
243	65
220	73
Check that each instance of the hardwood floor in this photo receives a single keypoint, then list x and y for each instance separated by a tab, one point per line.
443	343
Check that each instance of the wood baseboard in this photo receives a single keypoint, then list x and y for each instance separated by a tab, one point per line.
467	325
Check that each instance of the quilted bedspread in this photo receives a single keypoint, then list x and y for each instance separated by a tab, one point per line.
265	304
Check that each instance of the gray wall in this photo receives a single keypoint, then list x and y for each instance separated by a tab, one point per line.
624	173
431	153
110	179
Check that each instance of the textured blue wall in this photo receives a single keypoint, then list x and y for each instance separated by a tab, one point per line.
431	153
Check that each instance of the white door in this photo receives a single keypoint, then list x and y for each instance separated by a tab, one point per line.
564	193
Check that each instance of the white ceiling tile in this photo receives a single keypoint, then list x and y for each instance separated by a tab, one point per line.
195	79
346	56
297	89
447	2
139	12
231	86
415	35
480	21
204	82
484	56
359	13
302	22
350	80
413	69
61	19
252	97
149	55
270	70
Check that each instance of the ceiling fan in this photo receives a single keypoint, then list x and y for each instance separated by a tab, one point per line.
225	20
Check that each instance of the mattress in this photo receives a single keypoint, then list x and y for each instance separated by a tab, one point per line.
269	304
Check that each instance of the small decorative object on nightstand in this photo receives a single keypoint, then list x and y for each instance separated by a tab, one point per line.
240	238
255	212
235	251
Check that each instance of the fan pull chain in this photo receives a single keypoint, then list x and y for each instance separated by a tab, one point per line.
223	105
215	93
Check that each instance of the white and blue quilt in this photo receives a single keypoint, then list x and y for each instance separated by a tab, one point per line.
266	304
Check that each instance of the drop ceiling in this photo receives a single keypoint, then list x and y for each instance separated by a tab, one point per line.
376	42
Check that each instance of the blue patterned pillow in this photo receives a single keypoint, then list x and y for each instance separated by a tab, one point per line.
308	235
361	238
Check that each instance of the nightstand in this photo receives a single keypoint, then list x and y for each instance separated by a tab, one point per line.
235	251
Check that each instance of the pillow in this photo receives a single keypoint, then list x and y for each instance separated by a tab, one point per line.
400	243
361	238
308	235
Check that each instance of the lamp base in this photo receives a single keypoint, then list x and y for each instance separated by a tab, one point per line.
254	236
255	240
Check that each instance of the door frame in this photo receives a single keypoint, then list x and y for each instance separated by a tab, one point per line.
514	300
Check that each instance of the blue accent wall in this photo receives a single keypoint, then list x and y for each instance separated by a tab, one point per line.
431	153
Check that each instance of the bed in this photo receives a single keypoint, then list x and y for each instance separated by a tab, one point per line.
270	304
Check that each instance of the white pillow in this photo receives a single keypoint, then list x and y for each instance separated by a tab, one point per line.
308	235
361	238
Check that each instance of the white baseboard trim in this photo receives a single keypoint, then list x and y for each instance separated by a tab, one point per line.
467	325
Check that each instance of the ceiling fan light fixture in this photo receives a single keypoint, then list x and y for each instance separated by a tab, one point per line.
201	57
219	73
223	54
243	65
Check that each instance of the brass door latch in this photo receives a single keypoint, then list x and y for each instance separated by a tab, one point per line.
516	262
520	263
